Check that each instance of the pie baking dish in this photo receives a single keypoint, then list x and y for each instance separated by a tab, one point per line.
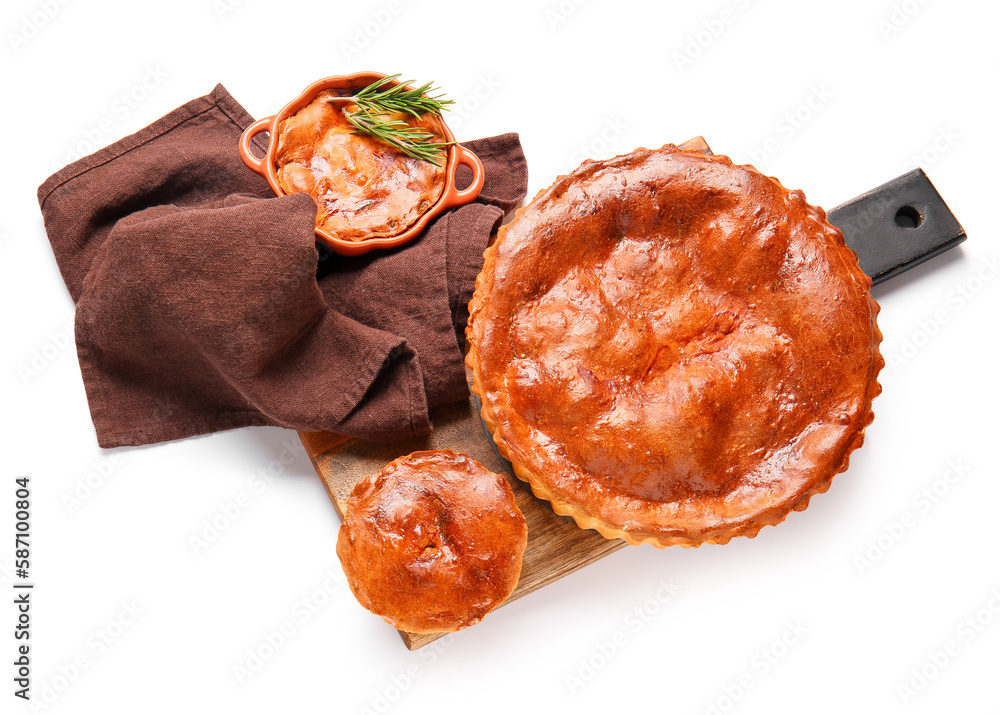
315	146
672	349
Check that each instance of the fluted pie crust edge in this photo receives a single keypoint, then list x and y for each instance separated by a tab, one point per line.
685	534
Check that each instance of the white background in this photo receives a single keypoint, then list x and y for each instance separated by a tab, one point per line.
888	81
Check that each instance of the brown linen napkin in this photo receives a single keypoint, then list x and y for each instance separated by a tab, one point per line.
199	307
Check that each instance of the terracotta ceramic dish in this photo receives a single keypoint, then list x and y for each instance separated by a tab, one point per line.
267	166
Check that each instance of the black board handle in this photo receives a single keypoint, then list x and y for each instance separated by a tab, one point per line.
897	226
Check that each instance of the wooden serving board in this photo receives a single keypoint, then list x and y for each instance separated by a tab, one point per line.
556	545
892	228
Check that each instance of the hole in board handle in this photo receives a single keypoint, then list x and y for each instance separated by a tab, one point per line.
908	217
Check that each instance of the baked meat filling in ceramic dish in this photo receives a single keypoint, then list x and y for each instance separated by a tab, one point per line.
364	188
673	349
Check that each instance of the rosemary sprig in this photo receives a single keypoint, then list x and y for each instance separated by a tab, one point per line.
412	141
400	99
373	116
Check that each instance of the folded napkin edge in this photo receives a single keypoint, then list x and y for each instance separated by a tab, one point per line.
219	98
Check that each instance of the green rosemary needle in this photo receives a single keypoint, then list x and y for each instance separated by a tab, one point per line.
412	141
373	116
400	99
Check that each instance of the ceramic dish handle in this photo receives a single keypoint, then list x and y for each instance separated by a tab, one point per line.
261	125
457	197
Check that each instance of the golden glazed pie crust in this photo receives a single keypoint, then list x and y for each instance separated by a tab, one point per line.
672	349
432	542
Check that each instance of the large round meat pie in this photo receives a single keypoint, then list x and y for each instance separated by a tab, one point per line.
672	349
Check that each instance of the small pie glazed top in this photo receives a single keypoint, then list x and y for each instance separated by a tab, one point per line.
672	349
433	542
363	187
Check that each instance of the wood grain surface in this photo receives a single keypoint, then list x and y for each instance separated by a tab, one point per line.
556	545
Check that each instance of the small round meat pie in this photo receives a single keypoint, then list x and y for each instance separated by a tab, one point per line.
433	542
672	349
